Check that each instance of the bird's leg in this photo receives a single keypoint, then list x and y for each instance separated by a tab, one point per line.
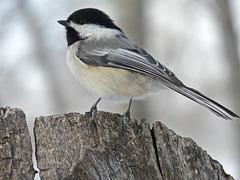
94	108
126	115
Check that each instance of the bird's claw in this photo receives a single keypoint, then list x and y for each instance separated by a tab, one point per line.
94	110
126	116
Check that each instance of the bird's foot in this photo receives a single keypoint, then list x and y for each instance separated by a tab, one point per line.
126	116
94	110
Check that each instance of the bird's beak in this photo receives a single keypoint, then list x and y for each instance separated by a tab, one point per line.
64	23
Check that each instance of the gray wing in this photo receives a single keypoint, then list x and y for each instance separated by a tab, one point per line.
135	59
138	60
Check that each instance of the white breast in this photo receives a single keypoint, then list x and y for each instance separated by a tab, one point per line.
109	83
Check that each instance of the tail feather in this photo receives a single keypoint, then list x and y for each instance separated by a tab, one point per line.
203	100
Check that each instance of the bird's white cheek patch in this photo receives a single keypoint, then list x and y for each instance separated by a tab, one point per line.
94	31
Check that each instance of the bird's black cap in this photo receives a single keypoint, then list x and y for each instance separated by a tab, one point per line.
86	16
92	16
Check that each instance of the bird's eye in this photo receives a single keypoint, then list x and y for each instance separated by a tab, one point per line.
77	33
82	21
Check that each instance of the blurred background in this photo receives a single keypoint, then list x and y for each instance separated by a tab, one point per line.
197	40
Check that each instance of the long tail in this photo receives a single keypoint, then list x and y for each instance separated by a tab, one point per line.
203	100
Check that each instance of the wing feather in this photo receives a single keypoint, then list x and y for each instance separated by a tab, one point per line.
131	59
138	60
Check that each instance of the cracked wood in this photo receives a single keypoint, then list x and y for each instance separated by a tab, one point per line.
71	146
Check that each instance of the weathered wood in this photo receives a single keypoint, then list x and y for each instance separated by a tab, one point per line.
71	146
181	158
15	145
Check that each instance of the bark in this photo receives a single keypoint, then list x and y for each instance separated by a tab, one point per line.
71	146
15	145
181	158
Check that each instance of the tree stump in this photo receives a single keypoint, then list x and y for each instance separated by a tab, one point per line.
15	146
72	146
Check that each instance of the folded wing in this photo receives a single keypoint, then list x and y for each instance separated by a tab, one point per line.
138	60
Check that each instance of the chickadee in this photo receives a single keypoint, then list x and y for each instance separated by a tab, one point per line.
112	67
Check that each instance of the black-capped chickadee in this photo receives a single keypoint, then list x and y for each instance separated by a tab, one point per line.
112	67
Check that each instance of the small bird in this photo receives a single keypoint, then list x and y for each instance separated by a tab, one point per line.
112	67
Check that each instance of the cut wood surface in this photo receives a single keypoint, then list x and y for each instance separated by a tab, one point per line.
71	146
15	146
